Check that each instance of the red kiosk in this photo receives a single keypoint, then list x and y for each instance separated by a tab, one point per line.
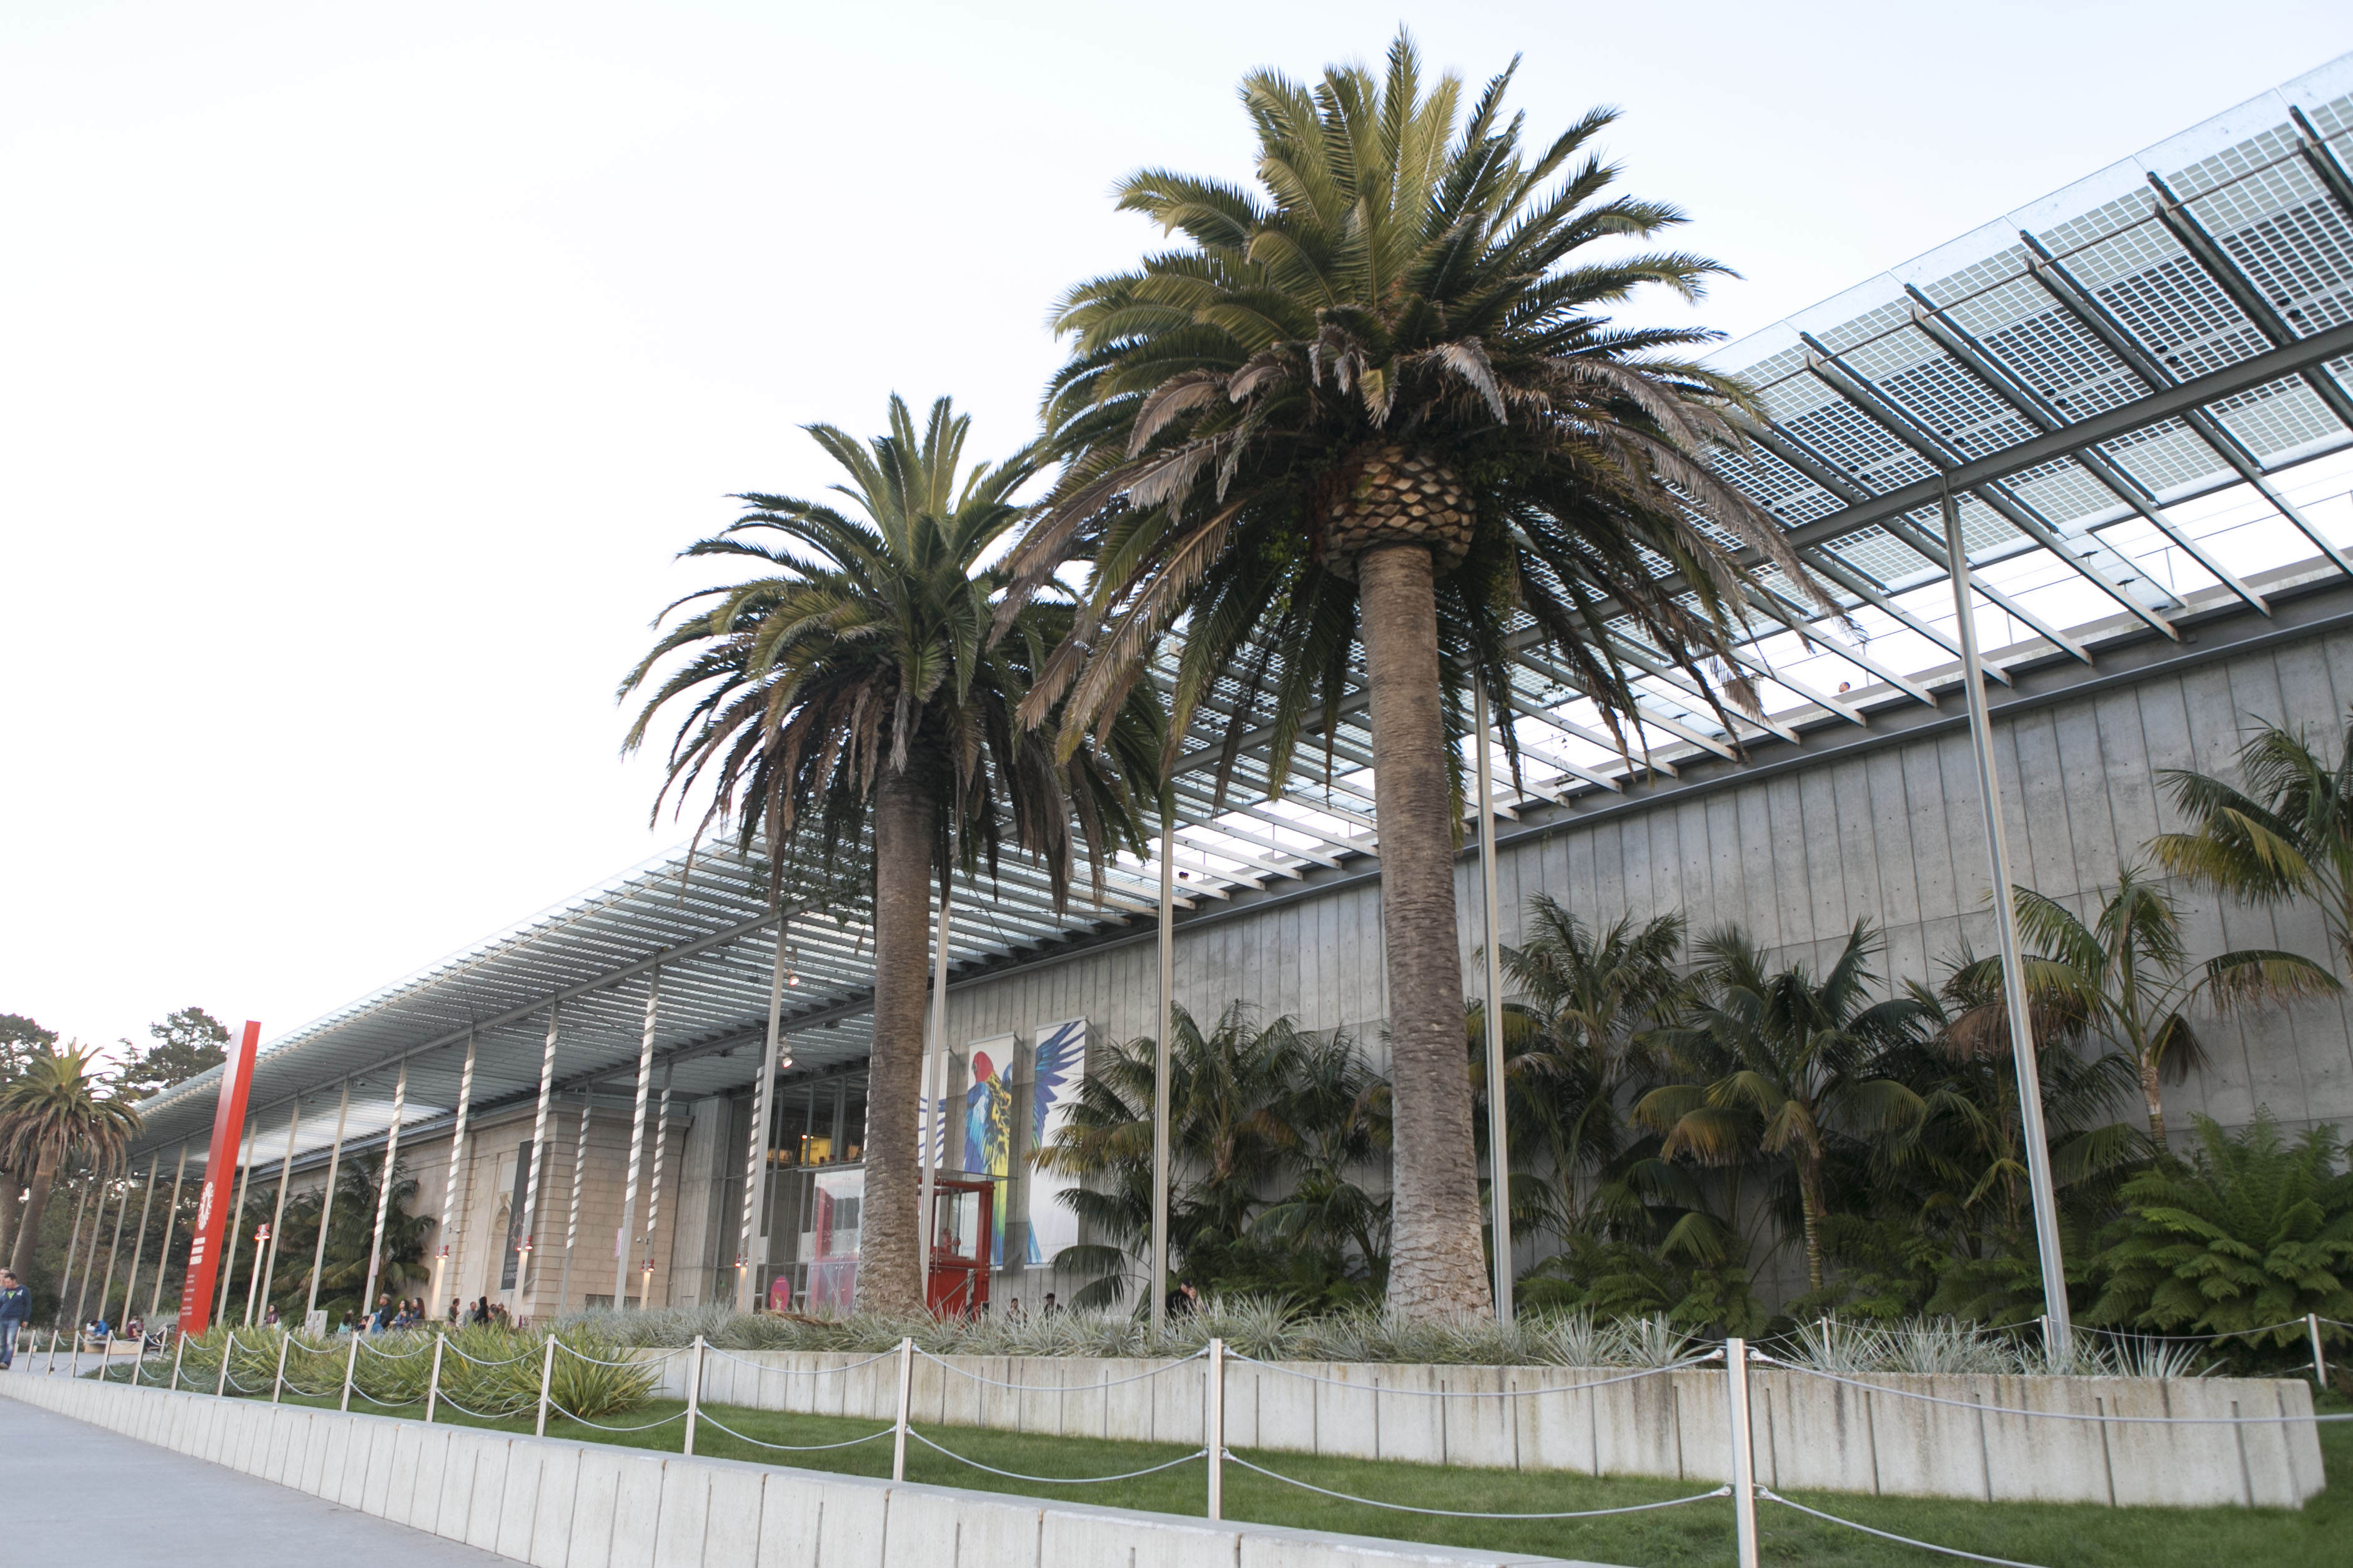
963	1230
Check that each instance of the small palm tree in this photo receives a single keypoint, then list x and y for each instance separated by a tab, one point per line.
852	685
2129	971
59	1107
2288	835
1382	401
1784	1062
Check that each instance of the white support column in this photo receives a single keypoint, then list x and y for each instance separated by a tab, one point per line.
752	1249
653	1191
171	1221
1499	1140
1164	1045
114	1256
138	1242
277	1215
538	1166
694	1395
327	1201
572	1223
451	1236
1743	1459
235	1225
89	1265
384	1192
2013	967
64	1280
1215	1425
546	1386
625	1239
898	1425
935	1073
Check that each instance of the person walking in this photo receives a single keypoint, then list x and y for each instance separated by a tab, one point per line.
16	1307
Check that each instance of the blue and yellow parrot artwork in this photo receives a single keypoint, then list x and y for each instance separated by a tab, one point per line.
989	1135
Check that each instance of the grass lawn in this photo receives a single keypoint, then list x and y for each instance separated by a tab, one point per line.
2057	1535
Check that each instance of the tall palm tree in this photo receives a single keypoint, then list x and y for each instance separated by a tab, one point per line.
851	687
2129	971
1783	1061
2288	835
59	1106
1382	401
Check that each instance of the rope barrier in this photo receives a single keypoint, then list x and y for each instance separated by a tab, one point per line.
1056	1480
2170	1334
675	1416
392	1355
2053	1415
582	1355
708	1419
478	1361
1049	1388
1772	1496
1472	1393
793	1370
443	1397
1464	1514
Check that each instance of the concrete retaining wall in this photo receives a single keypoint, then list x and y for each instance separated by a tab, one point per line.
571	1505
1809	1432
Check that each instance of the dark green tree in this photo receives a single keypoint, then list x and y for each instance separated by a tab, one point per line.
188	1042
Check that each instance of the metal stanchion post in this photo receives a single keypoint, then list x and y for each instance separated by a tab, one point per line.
433	1382
693	1394
546	1384
1215	1424
2320	1362
228	1348
351	1365
138	1360
899	1428
1743	1459
105	1353
277	1382
179	1350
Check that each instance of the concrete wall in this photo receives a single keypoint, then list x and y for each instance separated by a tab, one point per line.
572	1505
1807	1431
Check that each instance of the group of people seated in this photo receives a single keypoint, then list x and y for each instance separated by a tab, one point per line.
97	1330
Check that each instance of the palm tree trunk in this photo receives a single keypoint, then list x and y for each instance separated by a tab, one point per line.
1813	1204
889	1238
1437	1263
28	1234
10	1204
2151	1092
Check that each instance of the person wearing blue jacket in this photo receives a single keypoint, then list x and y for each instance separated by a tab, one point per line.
15	1306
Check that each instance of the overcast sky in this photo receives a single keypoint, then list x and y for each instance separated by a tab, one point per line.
362	368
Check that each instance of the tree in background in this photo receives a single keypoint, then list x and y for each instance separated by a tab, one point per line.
1382	400
188	1042
58	1108
350	1231
20	1038
2129	971
855	686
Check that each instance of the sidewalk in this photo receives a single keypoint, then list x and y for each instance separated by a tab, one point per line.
79	1494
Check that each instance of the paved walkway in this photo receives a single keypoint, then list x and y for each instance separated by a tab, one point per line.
75	1493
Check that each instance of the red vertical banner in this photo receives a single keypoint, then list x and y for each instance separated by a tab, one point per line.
221	1177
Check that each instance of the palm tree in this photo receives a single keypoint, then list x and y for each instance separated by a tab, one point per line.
1384	403
1575	1042
2129	971
1784	1062
851	687
2288	835
59	1106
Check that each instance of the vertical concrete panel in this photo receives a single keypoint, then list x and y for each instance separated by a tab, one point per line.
558	1492
685	1514
518	1508
732	1534
430	1479
636	1513
596	1489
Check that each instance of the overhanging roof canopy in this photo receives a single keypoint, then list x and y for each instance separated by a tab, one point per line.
2139	390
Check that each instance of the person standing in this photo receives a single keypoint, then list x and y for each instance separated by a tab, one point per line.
16	1307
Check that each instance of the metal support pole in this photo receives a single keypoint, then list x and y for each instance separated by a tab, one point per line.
1162	1047
73	1245
384	1197
138	1242
114	1256
653	1190
693	1394
572	1224
1216	1426
278	1216
2013	966
236	1225
228	1348
90	1266
935	1073
1744	1459
546	1386
752	1248
898	1425
459	1179
1499	1141
538	1166
277	1382
2320	1362
171	1219
350	1366
628	1236
433	1380
327	1202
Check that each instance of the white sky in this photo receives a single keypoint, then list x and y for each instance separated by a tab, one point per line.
362	367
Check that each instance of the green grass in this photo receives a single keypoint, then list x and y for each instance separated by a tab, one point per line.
2058	1535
